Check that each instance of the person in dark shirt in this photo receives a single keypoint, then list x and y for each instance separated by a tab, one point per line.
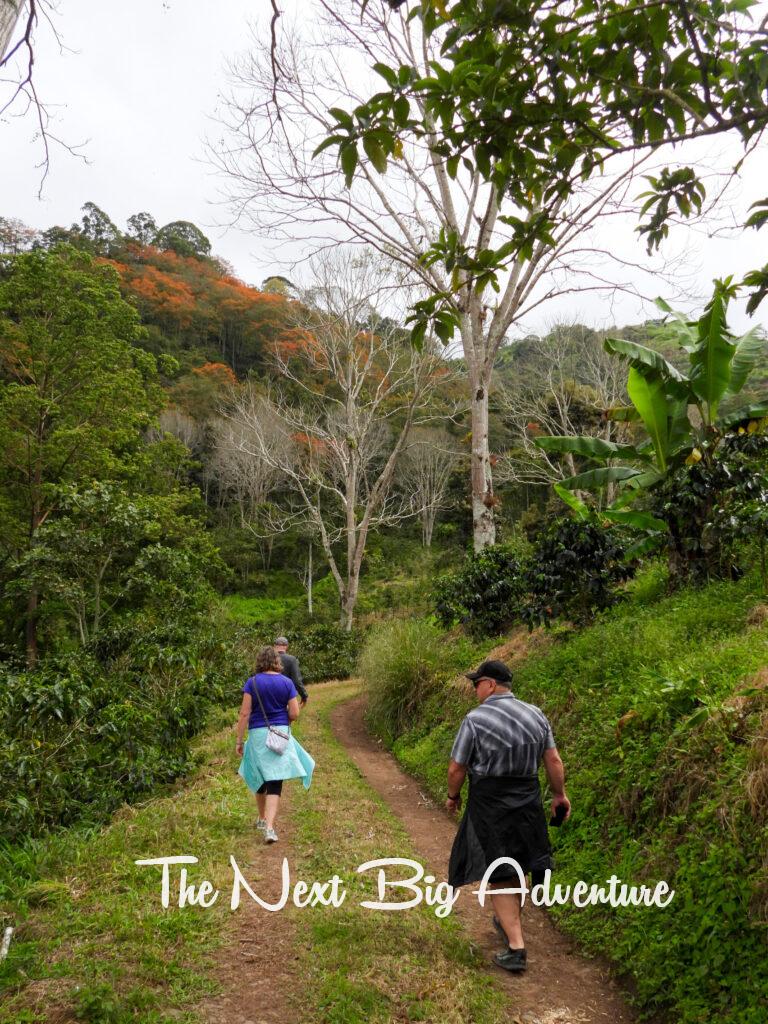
291	668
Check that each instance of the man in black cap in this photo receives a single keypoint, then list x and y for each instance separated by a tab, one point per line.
291	668
501	744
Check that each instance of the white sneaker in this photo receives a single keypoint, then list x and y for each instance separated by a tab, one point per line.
270	836
261	824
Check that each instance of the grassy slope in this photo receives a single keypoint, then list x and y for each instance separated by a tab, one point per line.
92	933
93	942
653	798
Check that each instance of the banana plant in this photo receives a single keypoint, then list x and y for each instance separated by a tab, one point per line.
680	412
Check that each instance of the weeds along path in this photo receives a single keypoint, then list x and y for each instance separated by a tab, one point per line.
95	946
560	986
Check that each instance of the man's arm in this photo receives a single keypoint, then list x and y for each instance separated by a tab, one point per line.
298	682
456	775
553	765
292	670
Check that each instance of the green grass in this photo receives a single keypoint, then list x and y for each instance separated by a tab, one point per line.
656	793
255	610
91	934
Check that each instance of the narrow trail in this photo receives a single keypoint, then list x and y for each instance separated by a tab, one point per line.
560	986
259	969
258	946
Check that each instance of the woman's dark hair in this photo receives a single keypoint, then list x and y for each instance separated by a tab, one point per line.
268	660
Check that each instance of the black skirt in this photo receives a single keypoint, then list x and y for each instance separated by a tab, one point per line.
504	818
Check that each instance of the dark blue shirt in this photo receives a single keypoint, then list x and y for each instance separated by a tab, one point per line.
275	691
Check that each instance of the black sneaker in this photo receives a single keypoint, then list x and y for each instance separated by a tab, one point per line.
514	960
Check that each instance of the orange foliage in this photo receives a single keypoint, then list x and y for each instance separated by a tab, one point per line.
297	341
199	303
218	373
312	444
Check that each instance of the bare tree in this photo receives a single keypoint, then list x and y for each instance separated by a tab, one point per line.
242	478
18	87
184	427
278	115
15	236
424	472
352	390
565	383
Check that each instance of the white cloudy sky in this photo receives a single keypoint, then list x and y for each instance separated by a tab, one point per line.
140	84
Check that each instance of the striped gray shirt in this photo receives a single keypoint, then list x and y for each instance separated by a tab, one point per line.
503	736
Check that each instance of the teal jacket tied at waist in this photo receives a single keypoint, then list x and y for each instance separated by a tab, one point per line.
260	764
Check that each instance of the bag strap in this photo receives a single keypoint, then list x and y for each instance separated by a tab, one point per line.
263	710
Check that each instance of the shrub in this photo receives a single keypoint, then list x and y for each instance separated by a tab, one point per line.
713	506
485	595
326	652
404	663
573	572
87	731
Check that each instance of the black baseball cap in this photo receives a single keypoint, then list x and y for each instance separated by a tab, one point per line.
491	670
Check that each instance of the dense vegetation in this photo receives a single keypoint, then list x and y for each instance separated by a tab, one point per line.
150	544
660	711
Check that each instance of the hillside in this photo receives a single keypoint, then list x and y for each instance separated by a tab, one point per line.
660	713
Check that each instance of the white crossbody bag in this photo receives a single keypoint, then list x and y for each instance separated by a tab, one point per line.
276	741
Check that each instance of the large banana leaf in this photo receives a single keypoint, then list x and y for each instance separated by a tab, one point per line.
581	509
748	348
712	357
591	447
645	359
648	478
681	329
756	411
633	517
649	397
596	478
645	546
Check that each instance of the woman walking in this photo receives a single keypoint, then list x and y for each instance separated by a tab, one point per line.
270	755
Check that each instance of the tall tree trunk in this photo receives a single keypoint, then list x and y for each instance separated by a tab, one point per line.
309	580
10	10
349	600
31	628
483	524
428	525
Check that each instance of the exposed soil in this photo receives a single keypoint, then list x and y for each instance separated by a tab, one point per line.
255	966
560	986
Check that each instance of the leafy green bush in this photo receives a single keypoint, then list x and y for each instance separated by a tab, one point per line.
326	652
89	730
484	595
713	506
662	729
573	572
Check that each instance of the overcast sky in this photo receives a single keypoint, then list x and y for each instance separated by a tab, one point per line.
140	84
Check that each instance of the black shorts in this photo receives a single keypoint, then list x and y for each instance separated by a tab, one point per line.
271	788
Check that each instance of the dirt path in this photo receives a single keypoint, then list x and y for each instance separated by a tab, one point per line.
560	986
258	945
